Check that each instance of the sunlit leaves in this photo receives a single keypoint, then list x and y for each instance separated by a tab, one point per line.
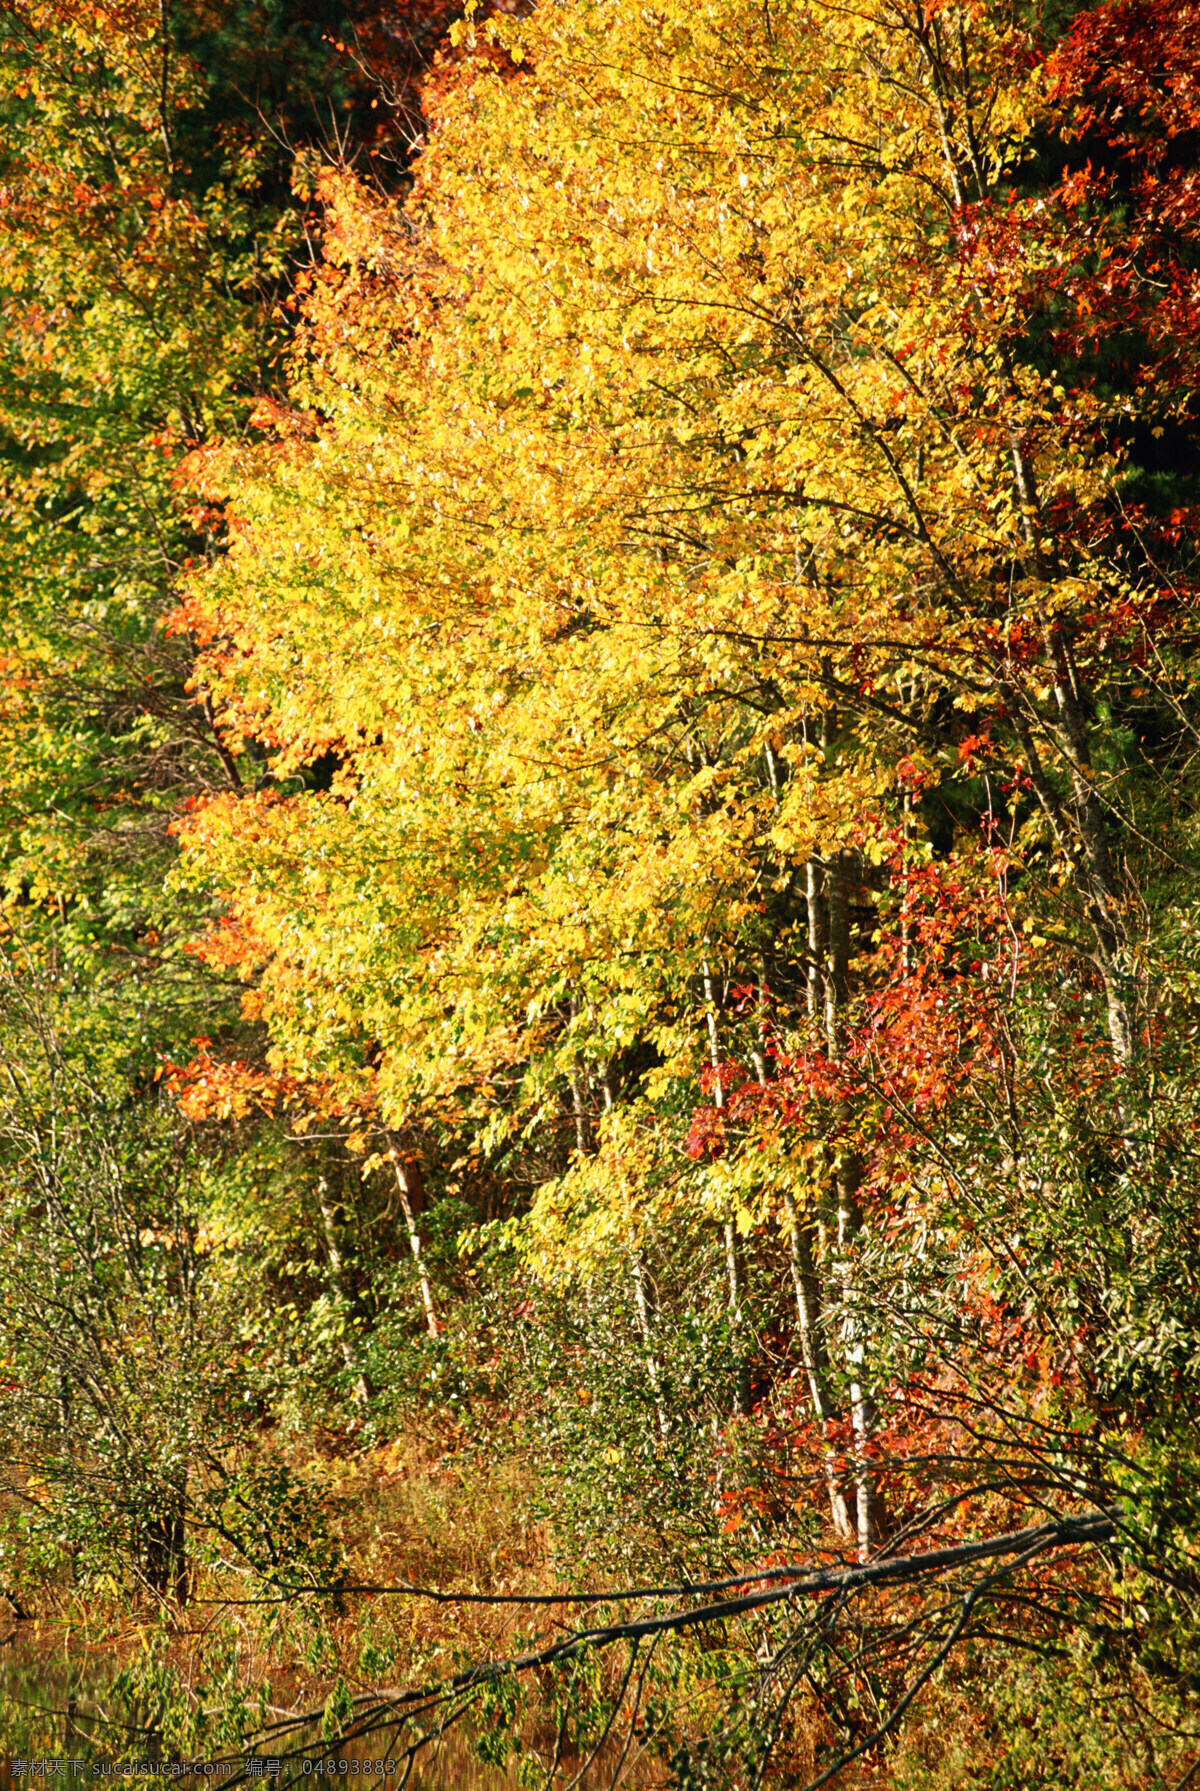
679	491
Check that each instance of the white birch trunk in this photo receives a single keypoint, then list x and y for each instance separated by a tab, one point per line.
642	1305
733	1265
848	1175
808	1312
414	1242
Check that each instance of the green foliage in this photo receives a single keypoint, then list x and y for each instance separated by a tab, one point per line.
128	1383
150	235
276	1523
498	1709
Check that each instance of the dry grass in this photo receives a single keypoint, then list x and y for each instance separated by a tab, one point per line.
422	1512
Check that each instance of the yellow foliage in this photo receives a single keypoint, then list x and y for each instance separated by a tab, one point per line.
660	462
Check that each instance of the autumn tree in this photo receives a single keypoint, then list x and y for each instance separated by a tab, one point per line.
150	239
715	556
155	184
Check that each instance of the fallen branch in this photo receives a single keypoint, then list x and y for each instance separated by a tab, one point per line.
1038	1539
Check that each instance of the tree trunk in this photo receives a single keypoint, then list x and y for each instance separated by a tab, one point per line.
868	1514
734	1270
808	1311
643	1306
164	1547
815	981
410	1198
733	1253
847	1181
333	1250
1089	852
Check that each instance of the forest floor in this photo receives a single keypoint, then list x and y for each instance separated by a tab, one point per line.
421	1511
